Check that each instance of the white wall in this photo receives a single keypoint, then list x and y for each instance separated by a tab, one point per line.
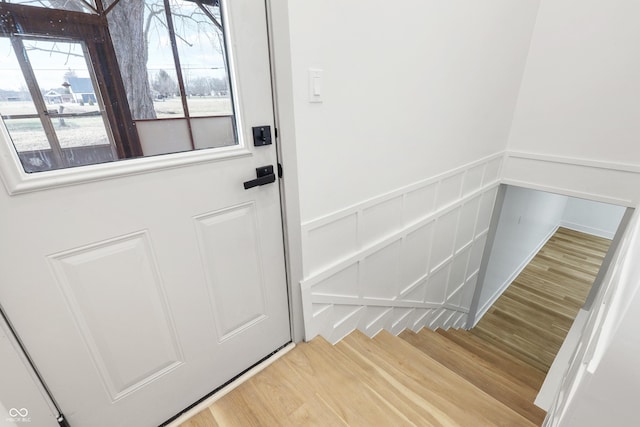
411	90
527	220
580	94
599	219
418	96
576	129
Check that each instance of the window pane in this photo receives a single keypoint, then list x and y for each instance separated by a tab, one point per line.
18	110
72	101
15	98
161	66
80	131
27	134
143	47
202	59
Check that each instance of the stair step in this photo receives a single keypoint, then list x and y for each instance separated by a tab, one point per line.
338	381
370	382
499	359
498	384
502	340
428	384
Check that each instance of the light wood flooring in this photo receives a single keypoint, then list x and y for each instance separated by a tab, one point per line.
485	377
532	317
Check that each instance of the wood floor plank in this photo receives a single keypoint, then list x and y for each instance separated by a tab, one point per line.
202	419
290	400
542	303
237	409
392	390
499	359
533	316
440	386
498	384
338	382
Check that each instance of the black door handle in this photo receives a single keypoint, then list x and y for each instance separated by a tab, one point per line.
264	175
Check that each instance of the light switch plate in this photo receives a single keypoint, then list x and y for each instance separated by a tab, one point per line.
315	85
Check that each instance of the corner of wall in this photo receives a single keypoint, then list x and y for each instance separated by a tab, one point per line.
522	75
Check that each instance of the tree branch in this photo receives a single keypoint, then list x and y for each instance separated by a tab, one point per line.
54	50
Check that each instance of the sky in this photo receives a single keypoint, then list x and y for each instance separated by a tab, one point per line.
51	60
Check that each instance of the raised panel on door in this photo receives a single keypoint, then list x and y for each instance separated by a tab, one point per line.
239	306
115	294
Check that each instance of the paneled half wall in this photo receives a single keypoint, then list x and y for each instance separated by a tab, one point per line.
406	259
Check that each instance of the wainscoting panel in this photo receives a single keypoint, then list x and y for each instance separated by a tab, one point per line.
406	259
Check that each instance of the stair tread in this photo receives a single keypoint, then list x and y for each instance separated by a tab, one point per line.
500	359
514	344
414	406
283	394
338	381
479	372
429	383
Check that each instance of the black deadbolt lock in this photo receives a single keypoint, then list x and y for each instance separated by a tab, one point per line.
261	135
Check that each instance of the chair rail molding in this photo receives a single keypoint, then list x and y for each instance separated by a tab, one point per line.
600	181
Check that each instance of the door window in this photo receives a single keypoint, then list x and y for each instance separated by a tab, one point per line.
77	89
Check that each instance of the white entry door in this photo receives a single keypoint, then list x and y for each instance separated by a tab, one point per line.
139	286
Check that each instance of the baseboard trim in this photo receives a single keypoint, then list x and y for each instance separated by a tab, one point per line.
588	230
230	387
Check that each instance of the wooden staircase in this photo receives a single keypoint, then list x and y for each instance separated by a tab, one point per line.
488	376
428	378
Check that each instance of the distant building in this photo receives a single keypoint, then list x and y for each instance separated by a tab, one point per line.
81	89
53	97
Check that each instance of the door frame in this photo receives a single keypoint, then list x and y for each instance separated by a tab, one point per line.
286	150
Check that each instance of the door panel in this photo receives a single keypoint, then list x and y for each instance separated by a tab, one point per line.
93	280
242	305
146	287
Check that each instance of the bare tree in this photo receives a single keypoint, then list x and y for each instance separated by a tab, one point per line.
164	84
220	86
128	36
133	24
200	86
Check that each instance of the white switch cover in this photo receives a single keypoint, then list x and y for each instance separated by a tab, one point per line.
315	85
